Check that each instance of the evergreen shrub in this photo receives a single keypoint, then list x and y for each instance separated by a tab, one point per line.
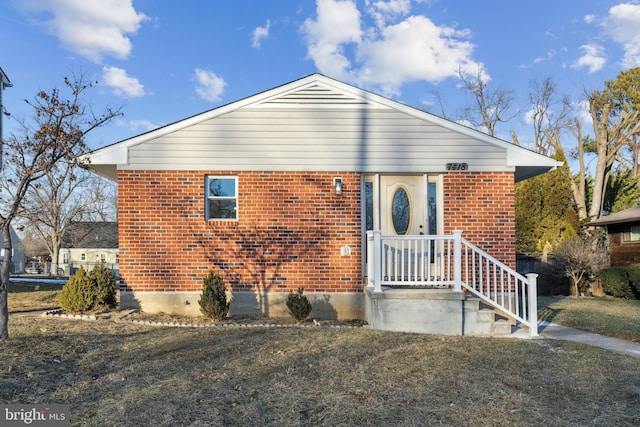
89	292
621	282
77	295
213	302
298	305
105	286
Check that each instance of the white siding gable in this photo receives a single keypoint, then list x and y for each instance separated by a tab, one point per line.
315	124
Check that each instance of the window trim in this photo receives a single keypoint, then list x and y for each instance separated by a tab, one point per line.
627	234
207	197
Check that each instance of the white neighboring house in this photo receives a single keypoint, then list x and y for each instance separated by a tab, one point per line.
88	243
18	259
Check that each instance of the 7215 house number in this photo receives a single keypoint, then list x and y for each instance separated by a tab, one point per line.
457	166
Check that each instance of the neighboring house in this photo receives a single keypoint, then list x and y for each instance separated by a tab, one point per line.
320	185
88	243
18	259
623	229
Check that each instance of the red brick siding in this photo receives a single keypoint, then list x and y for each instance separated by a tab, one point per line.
482	205
290	230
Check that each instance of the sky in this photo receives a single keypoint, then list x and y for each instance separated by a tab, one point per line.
164	60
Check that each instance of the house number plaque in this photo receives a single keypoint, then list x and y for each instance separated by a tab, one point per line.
457	166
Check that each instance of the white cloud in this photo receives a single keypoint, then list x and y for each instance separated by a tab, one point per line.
593	58
122	84
622	25
415	49
583	114
93	29
550	54
589	19
382	11
337	25
210	87
259	34
398	50
137	125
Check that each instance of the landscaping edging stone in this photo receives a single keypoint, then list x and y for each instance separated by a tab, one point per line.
92	317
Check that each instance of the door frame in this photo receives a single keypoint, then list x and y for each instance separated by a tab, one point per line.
371	183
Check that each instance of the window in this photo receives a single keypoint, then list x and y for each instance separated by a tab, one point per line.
401	211
632	234
222	197
83	256
65	257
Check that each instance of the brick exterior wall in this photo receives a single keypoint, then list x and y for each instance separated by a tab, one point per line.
289	233
482	205
290	229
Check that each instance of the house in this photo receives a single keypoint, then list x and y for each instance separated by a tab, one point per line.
88	243
18	258
623	229
354	197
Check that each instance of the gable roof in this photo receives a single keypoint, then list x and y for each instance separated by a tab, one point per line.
627	215
91	235
4	80
317	124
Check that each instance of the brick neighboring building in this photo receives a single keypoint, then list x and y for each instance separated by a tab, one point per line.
279	189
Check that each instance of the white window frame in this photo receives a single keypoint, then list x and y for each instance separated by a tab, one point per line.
632	235
208	197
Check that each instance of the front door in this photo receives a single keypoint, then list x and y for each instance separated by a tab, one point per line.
405	205
402	205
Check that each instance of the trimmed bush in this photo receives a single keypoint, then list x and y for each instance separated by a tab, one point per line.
77	295
105	286
89	292
213	302
298	305
621	282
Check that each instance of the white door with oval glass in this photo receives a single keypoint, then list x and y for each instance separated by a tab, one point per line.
402	205
405	206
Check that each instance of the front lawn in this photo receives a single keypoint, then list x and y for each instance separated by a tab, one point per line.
32	296
618	318
114	374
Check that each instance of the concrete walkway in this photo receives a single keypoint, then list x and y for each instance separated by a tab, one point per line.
559	332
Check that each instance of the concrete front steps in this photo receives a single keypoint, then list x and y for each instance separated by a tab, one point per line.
482	319
435	311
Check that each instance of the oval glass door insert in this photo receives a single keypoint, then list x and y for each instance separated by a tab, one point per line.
401	211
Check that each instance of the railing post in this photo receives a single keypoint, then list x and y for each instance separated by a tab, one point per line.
533	303
370	259
375	257
457	260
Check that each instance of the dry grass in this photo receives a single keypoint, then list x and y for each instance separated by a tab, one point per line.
129	374
137	375
614	317
29	296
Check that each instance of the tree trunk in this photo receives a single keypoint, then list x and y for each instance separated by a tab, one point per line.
54	260
4	281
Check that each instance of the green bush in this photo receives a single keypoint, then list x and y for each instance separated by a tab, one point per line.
213	302
621	282
77	295
105	286
89	292
298	305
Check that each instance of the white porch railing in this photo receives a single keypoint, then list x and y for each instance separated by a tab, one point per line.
451	262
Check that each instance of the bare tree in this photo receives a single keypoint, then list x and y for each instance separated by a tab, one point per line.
65	194
548	113
489	106
612	132
580	257
610	136
61	124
